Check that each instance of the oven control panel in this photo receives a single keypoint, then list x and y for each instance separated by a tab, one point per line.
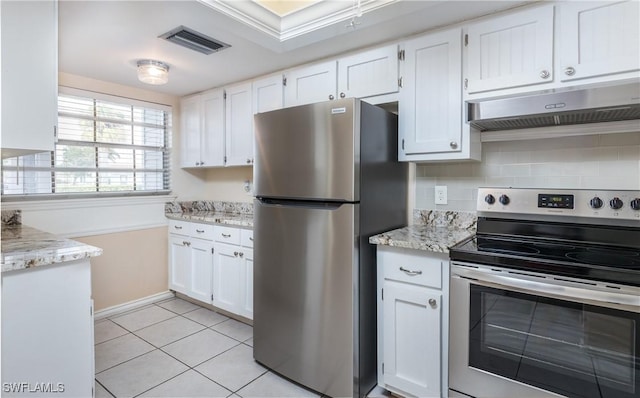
622	205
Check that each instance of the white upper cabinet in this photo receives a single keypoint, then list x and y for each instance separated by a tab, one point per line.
309	84
268	93
239	125
369	73
430	101
202	120
512	50
29	76
598	38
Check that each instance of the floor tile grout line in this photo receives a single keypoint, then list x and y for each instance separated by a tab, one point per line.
102	385
161	383
151	324
186	312
128	360
171	342
206	360
266	370
211	325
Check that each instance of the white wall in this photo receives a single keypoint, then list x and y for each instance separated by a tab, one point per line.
607	161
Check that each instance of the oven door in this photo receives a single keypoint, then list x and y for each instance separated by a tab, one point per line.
523	334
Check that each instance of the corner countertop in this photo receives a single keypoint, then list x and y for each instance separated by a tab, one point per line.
214	217
25	247
433	230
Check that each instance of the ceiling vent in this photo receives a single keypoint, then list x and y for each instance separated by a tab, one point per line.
193	40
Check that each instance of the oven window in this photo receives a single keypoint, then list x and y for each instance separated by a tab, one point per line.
569	348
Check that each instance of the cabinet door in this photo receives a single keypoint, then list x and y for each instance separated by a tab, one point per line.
599	38
29	76
430	111
373	72
268	94
190	132
212	138
247	281
239	125
306	85
201	270
511	50
227	277
412	353
179	263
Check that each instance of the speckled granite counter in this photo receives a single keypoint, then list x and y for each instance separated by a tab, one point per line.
26	247
433	231
209	212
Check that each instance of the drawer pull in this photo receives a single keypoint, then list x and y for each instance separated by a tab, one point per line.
235	254
177	227
226	235
409	272
251	238
200	231
433	303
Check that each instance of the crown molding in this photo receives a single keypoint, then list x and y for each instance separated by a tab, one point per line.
297	23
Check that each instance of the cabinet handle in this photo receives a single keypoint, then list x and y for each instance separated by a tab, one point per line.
545	74
235	254
409	272
342	95
197	163
226	235
331	97
453	144
185	243
251	238
199	231
433	303
177	227
569	71
248	161
241	254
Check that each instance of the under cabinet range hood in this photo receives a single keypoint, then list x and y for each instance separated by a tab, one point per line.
571	106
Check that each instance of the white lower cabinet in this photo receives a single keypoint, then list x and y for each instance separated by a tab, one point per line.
212	264
413	307
233	274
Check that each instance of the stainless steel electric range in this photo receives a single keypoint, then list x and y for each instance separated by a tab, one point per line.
545	299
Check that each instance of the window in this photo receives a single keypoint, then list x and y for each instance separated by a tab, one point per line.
105	146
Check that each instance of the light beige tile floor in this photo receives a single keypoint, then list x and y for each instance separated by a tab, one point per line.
177	349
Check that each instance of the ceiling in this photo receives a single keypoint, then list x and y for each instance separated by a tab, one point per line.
104	39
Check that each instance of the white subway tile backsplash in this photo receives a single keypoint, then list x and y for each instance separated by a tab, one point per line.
608	161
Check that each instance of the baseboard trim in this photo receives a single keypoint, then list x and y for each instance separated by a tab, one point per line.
132	305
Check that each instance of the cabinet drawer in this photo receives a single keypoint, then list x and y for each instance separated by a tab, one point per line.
246	237
202	231
227	235
416	268
179	227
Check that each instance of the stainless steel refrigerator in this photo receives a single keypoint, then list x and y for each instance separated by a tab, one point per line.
326	178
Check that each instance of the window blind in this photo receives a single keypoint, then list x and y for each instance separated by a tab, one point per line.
105	146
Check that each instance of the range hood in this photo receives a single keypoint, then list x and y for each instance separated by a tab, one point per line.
571	106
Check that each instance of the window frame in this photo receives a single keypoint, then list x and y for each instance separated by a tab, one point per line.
165	151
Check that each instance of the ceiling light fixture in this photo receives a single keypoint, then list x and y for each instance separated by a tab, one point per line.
153	72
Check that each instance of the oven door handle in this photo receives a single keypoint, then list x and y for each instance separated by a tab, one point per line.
557	289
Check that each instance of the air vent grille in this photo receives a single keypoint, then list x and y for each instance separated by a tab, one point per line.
193	40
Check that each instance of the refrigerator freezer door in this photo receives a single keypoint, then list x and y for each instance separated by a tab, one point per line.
303	293
308	152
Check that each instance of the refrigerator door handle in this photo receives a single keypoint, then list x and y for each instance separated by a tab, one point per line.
306	204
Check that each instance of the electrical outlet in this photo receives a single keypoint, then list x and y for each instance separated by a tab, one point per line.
441	194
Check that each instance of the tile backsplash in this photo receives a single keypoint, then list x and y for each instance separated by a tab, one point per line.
607	161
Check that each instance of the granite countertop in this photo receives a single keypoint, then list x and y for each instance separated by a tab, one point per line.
433	230
214	217
423	237
26	247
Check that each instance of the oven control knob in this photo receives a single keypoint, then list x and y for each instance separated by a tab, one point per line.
595	203
616	203
490	199
504	199
635	204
